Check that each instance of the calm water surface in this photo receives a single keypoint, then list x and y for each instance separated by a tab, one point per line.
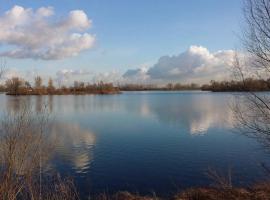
146	141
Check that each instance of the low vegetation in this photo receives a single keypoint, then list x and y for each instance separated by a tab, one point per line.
257	192
221	189
24	154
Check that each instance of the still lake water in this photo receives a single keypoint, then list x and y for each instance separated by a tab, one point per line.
146	141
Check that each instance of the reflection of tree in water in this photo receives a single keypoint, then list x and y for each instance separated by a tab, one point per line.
73	144
39	103
50	103
86	103
17	103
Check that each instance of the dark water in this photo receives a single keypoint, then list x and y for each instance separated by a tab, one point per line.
147	141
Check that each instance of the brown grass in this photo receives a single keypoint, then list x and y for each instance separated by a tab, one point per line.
257	192
24	153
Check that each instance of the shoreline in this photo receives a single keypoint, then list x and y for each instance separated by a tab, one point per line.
259	191
63	93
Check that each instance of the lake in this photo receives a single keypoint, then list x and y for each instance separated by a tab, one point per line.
146	142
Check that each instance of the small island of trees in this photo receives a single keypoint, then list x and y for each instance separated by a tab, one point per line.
18	86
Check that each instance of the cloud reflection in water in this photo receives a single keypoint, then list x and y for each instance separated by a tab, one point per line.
73	143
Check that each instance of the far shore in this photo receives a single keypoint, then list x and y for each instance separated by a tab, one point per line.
116	92
34	93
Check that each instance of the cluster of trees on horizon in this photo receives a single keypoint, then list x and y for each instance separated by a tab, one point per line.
246	85
18	86
169	86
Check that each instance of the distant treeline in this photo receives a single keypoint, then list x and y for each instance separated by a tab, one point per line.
18	86
246	85
168	87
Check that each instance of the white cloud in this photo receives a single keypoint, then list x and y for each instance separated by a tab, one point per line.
197	64
108	77
136	75
28	75
9	73
66	76
45	11
36	34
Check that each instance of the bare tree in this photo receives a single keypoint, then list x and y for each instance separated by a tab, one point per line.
50	83
252	110
38	82
13	85
25	151
256	42
256	35
50	87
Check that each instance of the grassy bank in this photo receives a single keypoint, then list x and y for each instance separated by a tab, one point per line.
257	192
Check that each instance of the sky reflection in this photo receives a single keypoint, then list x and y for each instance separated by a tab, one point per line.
194	111
74	144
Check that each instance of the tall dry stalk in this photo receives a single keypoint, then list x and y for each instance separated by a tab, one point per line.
23	150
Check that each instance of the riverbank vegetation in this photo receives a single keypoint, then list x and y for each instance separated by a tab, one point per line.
24	155
257	192
246	85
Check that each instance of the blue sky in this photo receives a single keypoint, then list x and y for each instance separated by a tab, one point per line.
130	34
